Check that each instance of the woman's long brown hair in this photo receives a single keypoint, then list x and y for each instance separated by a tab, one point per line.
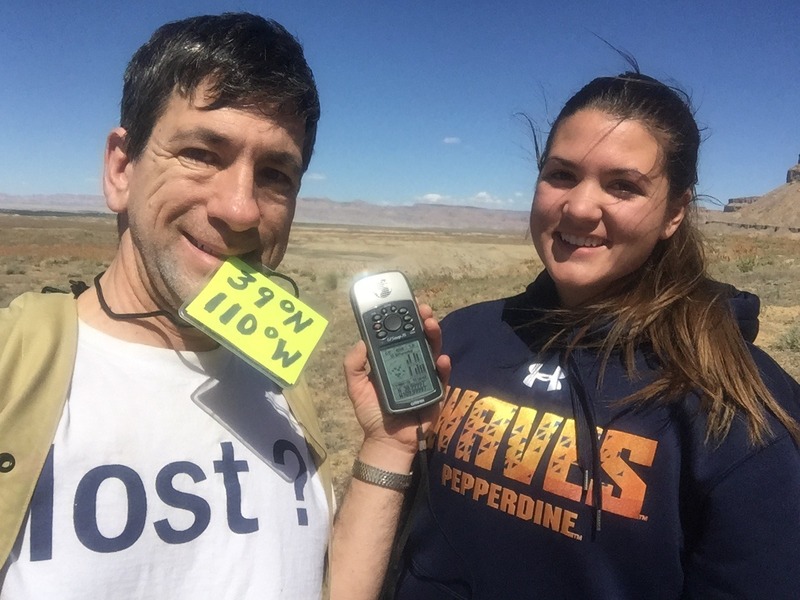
674	309
670	305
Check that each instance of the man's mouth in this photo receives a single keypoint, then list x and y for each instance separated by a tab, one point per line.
205	248
589	241
252	257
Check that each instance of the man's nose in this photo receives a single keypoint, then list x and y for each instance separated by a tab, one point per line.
234	200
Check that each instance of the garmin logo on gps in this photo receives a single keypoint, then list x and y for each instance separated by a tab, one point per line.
382	289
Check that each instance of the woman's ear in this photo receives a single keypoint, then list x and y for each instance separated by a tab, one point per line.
115	171
675	214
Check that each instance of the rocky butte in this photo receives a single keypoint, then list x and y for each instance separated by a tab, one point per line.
777	210
793	174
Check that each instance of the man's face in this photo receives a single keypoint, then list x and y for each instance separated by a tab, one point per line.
209	184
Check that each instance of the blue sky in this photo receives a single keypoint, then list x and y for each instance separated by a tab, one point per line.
419	98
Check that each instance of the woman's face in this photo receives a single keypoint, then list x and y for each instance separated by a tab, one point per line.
600	204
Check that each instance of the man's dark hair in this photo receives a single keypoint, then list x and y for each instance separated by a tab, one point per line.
248	61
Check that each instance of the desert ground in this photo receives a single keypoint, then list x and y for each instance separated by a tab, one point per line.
447	269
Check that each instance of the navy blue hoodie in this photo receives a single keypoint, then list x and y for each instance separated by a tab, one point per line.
523	503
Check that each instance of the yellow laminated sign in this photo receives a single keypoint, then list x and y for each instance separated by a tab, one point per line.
247	312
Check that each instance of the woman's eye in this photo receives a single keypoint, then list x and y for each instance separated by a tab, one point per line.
556	174
558	177
625	188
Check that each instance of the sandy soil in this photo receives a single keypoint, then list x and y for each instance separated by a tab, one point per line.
447	269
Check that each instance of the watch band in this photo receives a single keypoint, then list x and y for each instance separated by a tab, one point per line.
381	478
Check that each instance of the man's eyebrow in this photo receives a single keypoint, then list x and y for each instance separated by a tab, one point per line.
202	134
214	138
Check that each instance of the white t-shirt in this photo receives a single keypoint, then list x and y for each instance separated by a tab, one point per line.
172	475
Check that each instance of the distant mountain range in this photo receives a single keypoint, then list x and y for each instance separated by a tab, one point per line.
68	203
777	210
319	211
416	216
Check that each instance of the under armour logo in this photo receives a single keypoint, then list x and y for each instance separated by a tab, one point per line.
535	374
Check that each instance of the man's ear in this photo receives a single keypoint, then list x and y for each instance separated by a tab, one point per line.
675	215
115	171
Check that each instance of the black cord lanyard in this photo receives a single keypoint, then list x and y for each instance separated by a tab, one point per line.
270	273
131	316
163	313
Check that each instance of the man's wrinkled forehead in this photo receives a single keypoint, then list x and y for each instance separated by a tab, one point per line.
210	94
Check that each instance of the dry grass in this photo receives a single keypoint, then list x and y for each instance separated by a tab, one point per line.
447	269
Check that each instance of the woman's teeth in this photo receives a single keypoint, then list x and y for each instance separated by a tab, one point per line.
576	240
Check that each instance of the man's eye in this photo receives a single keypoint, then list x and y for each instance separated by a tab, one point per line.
269	175
199	155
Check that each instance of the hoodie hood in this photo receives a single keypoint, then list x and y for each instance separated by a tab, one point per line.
745	307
